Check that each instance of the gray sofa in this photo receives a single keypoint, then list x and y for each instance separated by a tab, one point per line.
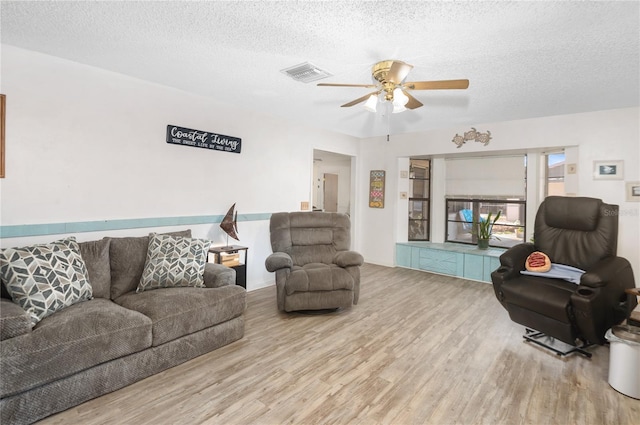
115	339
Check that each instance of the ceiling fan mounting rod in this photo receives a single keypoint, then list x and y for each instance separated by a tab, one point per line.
388	89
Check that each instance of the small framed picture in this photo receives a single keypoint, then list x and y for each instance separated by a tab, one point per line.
633	191
608	170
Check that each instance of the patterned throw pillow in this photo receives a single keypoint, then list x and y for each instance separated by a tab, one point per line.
45	278
174	261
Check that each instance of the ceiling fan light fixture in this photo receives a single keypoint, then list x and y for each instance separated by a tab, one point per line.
398	108
372	103
399	98
393	90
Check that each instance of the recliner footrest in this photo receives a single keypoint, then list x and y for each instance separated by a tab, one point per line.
555	345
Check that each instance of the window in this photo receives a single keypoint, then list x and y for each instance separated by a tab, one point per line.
554	176
508	230
478	186
419	189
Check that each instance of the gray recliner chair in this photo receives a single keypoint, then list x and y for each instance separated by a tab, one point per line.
314	267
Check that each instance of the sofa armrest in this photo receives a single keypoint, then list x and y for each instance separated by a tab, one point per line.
604	272
348	258
277	261
217	275
14	321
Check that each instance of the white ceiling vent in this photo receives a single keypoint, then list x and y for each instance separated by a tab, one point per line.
306	72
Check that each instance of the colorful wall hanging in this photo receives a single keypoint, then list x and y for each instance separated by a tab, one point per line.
376	189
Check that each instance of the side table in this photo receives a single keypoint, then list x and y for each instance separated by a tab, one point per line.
234	256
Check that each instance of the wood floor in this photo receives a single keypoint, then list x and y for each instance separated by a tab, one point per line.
418	349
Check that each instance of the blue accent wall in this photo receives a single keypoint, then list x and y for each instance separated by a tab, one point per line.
23	230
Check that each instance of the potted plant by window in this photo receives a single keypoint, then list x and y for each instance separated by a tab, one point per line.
484	229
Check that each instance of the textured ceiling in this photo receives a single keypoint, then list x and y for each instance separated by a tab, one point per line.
523	59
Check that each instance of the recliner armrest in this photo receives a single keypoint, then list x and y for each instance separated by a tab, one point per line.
277	261
512	261
604	272
598	302
348	258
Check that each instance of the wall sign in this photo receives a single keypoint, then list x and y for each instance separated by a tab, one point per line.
203	139
376	189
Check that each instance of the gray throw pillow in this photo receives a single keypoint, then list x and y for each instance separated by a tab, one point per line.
127	257
45	278
174	261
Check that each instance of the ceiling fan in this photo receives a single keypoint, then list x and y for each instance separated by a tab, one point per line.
390	86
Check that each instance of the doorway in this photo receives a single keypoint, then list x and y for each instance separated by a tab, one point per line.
330	192
332	180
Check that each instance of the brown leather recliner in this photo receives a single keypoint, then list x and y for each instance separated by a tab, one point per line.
579	232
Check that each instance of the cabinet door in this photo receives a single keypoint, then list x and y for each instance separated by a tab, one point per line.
444	262
473	266
403	256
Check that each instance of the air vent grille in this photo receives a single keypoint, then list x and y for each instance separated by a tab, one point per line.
306	72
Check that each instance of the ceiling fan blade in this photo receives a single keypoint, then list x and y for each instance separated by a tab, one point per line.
436	85
360	99
368	86
398	72
413	103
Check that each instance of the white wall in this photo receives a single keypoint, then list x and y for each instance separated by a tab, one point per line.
602	135
85	144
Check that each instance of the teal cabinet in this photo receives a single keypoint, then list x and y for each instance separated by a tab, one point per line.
490	264
445	262
403	256
474	267
464	261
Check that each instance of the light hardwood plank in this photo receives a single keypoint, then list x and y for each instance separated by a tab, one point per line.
419	348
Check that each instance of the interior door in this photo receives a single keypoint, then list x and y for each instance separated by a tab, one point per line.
331	192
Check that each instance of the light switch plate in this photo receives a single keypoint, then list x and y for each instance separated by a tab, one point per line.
304	206
572	168
403	195
404	174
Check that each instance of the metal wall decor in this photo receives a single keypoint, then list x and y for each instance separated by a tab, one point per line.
472	134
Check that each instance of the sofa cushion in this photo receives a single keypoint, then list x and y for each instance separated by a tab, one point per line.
318	277
174	261
176	312
72	340
96	258
14	320
127	257
45	278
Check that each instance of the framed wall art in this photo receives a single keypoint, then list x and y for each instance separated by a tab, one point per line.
633	192
608	170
